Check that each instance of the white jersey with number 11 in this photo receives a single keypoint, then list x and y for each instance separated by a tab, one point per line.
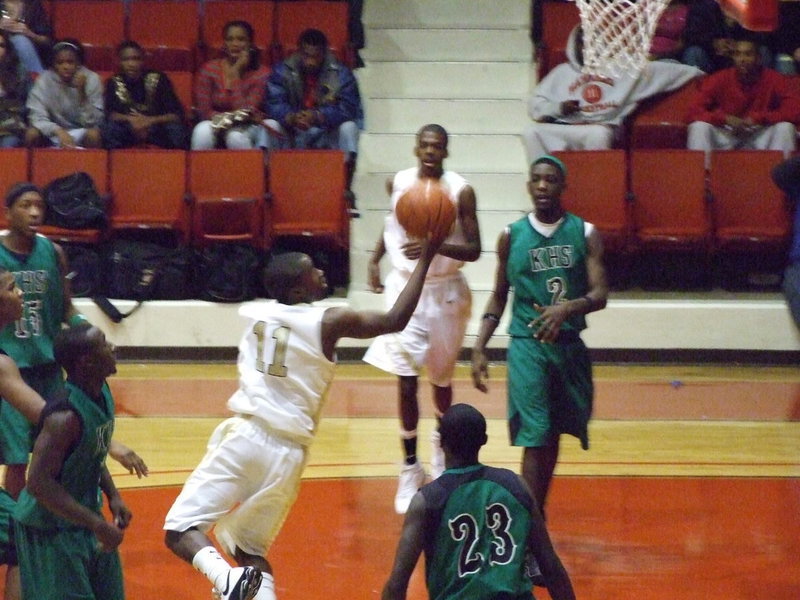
283	373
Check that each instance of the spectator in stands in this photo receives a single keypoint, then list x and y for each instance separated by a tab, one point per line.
355	29
786	39
745	106
141	105
710	35
667	43
230	92
313	102
29	26
65	106
14	85
573	111
787	177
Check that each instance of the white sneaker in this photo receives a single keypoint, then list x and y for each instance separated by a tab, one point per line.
437	455
412	477
242	583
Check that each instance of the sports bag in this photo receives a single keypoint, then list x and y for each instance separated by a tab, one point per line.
73	202
148	271
145	271
228	273
86	270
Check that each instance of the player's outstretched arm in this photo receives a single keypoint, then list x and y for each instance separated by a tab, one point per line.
491	317
17	393
408	550
128	459
345	322
374	266
596	272
470	249
120	513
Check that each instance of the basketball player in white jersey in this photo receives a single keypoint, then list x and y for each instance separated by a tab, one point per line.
250	475
435	333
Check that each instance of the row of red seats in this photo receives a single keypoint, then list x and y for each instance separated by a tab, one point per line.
178	35
202	197
663	200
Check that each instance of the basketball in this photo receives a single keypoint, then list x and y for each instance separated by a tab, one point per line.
426	208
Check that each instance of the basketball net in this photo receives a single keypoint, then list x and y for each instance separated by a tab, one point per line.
617	34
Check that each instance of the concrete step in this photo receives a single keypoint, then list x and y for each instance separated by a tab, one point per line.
500	153
467	80
457	45
488	14
470	116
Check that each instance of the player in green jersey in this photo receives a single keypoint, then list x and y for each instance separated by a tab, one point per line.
554	262
40	267
61	534
479	527
15	392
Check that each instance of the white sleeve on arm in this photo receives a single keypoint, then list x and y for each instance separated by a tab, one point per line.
92	109
545	101
661	76
38	115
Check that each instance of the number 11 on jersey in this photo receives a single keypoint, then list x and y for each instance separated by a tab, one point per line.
280	342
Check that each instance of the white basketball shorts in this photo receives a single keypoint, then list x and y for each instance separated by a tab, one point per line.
434	335
243	487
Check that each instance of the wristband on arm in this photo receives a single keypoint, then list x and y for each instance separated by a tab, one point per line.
77	319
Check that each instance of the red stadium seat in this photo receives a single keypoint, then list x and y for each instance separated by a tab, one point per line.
672	226
558	20
98	24
329	17
15	170
661	122
168	30
597	191
148	189
306	196
749	211
227	191
183	84
259	13
670	209
48	164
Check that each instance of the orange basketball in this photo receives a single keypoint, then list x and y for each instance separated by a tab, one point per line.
426	208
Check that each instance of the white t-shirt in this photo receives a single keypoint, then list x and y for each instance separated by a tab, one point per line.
394	236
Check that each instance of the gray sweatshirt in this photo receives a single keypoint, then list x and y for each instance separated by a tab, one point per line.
52	104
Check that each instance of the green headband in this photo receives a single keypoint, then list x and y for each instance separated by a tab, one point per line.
556	162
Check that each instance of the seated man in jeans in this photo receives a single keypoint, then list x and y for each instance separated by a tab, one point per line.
313	102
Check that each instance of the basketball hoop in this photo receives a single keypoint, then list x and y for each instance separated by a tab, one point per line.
617	34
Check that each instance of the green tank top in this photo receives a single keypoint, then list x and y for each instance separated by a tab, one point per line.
478	524
546	271
80	474
38	275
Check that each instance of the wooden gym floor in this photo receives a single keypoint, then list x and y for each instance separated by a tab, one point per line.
691	488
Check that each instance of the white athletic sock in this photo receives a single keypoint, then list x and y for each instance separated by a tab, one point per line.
267	589
211	564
